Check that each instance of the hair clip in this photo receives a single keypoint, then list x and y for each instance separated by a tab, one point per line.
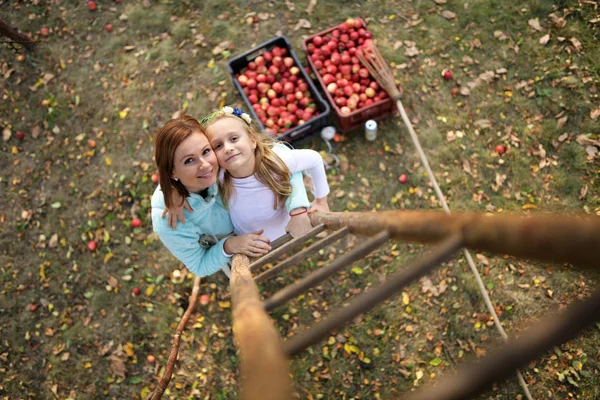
227	111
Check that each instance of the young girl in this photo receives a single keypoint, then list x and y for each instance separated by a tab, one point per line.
255	177
188	169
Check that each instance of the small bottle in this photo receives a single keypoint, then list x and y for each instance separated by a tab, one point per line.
371	130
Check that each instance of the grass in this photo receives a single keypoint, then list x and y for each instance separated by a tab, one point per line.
119	95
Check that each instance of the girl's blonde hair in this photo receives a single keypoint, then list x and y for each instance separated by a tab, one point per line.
269	169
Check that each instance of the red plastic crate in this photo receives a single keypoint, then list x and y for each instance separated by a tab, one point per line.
356	119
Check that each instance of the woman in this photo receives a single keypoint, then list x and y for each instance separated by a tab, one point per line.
188	168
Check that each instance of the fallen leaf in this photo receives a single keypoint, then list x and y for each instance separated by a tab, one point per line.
483	259
6	134
448	14
583	192
290	5
311	5
117	364
594	114
302	23
557	21
439	1
221	47
545	39
53	241
576	43
535	24
411	51
501	35
562	121
464	91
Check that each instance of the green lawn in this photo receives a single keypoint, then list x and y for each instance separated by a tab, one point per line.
69	325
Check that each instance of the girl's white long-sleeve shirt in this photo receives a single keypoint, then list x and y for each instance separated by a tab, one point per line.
251	204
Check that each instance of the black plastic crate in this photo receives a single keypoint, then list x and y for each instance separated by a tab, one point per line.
315	124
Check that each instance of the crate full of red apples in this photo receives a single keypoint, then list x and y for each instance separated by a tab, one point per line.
281	97
353	93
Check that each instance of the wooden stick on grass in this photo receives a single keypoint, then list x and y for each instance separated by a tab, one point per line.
166	378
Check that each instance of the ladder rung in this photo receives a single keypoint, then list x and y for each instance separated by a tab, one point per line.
369	299
302	255
289	246
325	272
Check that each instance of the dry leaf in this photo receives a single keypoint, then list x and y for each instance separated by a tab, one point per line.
535	24
483	123
483	259
448	14
563	137
53	241
594	114
501	35
500	178
464	91
412	51
583	192
557	21
467	167
221	47
562	121
576	43
302	23
290	5
117	364
439	1
112	281
545	39
311	5
6	134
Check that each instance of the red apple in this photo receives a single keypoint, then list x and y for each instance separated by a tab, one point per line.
150	358
332	87
136	223
204	299
260	60
91	5
317	41
91	143
32	307
447	74
108	28
402	178
243	80
500	149
155	178
288	62
20	135
92	245
135	291
44	31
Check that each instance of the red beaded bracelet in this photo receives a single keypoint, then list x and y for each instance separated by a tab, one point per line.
299	213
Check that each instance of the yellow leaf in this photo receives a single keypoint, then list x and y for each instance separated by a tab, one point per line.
224	304
129	349
107	257
477	325
186	105
211	63
123	113
88	365
42	272
108	161
149	290
528	206
405	298
350	348
15	150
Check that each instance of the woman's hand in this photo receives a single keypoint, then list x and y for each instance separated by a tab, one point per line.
176	213
320	205
250	244
299	224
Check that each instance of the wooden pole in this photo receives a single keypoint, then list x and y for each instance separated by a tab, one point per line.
15	35
264	367
573	239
